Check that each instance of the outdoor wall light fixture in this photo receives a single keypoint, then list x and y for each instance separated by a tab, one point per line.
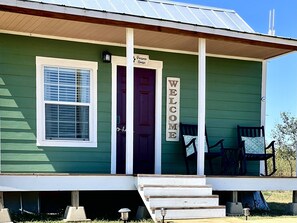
106	57
124	214
246	213
163	213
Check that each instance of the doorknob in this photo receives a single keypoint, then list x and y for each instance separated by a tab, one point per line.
123	129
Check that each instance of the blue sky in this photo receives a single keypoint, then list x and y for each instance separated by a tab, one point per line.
282	72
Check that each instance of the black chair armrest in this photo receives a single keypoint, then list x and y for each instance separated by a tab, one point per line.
271	145
219	143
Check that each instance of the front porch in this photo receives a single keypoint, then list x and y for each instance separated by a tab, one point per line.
99	182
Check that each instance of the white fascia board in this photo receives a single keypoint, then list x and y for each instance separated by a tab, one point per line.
151	22
252	183
36	182
64	182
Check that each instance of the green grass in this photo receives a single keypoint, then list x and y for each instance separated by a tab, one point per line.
278	202
38	218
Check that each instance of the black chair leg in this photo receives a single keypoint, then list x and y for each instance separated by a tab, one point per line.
266	171
243	166
187	167
210	166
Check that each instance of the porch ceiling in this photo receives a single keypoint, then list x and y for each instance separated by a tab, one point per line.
36	25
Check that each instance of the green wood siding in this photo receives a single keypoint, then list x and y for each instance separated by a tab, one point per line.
18	108
233	97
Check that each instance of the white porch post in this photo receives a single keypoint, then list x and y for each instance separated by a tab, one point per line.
201	104
75	199
4	213
293	205
129	99
263	105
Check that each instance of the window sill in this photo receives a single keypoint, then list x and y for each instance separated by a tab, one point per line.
66	143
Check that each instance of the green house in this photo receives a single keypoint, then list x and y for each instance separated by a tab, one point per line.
94	91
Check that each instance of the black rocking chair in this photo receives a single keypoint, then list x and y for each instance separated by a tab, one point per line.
252	142
188	137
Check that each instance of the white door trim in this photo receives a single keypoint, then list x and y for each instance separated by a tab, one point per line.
152	64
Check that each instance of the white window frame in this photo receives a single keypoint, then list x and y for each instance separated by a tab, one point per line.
41	62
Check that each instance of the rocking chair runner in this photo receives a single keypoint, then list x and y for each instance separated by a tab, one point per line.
189	140
252	140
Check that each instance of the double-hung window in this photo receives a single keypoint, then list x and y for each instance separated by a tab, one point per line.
66	102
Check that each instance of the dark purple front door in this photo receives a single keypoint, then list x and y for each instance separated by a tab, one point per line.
144	120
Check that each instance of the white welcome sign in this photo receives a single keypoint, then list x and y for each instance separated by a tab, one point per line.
173	106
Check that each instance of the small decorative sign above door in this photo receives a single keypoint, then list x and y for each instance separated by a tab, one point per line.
141	59
173	107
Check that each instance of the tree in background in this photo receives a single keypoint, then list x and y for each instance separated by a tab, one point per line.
285	136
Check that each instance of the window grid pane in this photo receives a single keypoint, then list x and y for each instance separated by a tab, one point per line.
66	122
66	85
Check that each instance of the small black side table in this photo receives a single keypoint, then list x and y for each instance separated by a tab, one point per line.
232	161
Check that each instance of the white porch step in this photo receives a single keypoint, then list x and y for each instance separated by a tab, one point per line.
192	213
177	180
183	201
177	191
183	197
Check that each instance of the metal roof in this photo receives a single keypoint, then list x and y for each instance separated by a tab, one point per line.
162	10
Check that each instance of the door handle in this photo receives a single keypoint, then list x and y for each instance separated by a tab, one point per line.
123	129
